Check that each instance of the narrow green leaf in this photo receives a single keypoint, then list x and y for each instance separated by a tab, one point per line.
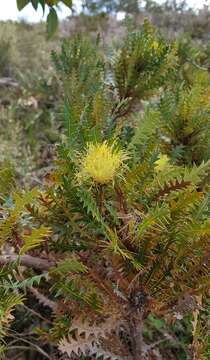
35	4
52	22
67	3
51	2
42	3
21	4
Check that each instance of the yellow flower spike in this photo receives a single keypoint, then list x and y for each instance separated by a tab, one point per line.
155	45
162	163
101	162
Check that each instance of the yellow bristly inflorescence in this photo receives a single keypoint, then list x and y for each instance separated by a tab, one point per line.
101	162
162	163
155	45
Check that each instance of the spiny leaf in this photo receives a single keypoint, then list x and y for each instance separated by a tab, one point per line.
21	200
24	284
90	204
69	265
34	239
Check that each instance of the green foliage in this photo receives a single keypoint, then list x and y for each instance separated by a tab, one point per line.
52	22
12	284
15	223
83	72
21	4
185	116
7	183
52	18
140	66
143	63
5	59
8	303
30	104
34	239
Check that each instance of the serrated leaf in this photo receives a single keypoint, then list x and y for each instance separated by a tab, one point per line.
52	22
26	283
34	239
70	265
21	4
21	200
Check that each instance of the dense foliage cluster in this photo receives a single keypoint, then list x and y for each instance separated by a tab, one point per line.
117	237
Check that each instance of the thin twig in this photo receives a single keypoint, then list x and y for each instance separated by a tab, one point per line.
43	300
149	347
198	66
35	346
37	314
27	260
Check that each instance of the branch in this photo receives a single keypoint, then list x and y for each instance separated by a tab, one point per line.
198	66
43	300
6	81
139	349
27	260
171	187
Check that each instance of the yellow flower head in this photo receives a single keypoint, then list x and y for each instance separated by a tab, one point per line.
101	162
155	45
162	163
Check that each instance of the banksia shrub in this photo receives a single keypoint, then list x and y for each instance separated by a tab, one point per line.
121	227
